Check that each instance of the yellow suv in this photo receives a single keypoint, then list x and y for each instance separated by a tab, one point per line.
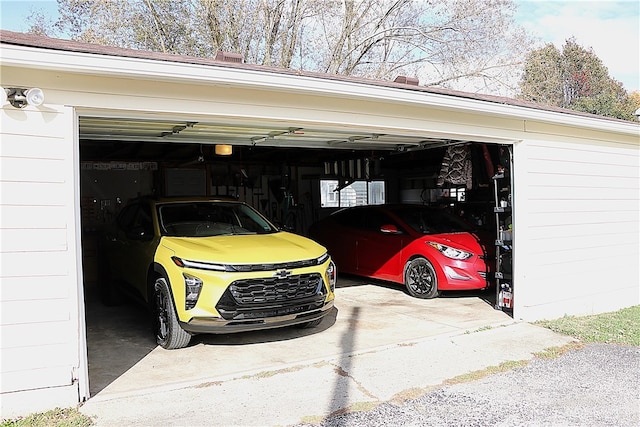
215	266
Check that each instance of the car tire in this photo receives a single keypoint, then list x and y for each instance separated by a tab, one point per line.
420	278
169	334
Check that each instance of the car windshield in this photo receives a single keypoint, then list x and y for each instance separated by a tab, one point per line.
431	221
203	219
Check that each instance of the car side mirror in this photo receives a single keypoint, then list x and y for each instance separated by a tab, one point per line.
390	229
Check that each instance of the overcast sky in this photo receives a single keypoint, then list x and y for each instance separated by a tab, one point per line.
610	28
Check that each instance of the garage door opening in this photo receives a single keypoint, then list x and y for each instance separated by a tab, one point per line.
293	187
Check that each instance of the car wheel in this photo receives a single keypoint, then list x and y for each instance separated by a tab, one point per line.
420	278
168	332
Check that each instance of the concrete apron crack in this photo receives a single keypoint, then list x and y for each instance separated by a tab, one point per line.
338	370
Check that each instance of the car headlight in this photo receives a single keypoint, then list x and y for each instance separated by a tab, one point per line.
184	263
321	259
450	252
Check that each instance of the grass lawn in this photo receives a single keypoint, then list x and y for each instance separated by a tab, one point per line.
619	327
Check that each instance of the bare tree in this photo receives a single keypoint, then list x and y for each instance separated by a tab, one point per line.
451	43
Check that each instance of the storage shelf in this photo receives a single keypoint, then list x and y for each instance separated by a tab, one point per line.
500	209
502	190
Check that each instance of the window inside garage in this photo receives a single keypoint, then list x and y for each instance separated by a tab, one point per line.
358	193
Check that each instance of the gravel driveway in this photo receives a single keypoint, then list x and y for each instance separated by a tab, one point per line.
597	385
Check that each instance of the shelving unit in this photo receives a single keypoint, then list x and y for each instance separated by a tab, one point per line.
504	239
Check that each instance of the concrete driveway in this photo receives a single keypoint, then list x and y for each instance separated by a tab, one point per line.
124	357
371	347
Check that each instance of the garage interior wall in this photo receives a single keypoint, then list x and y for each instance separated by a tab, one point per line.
578	237
42	318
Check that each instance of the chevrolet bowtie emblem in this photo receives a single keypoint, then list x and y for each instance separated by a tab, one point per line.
282	274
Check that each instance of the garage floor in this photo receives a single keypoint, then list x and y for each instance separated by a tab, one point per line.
123	356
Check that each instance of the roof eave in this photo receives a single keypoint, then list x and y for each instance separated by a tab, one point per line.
173	68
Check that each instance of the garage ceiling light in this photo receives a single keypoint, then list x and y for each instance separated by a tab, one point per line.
224	149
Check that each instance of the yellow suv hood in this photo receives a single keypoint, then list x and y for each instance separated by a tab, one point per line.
245	249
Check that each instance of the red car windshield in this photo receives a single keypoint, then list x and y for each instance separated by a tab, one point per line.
431	220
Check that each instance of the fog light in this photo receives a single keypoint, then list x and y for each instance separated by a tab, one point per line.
193	286
453	274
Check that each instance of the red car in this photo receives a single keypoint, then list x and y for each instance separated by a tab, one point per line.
426	249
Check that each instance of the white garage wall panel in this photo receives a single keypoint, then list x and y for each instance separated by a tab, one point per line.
577	228
40	321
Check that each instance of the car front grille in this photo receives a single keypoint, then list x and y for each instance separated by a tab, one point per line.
275	289
272	296
270	267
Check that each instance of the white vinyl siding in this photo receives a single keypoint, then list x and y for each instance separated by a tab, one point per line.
40	323
577	229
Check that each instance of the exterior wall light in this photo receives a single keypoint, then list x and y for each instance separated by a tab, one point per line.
20	98
224	149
